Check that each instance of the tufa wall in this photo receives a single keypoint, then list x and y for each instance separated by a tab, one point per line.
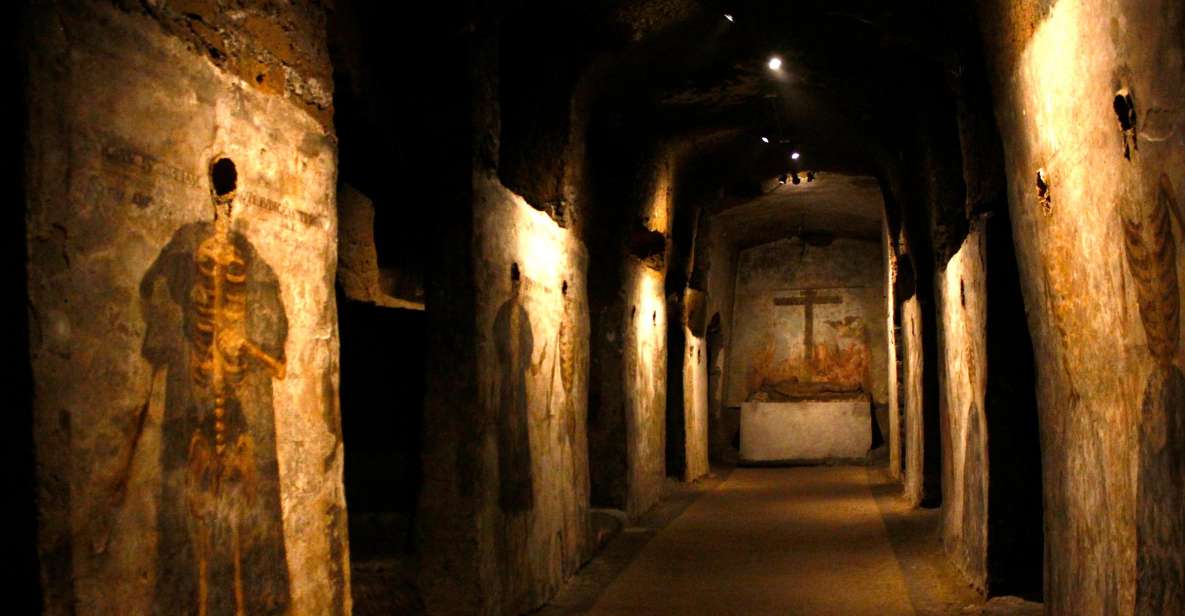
843	285
627	428
963	379
723	425
502	520
184	335
695	387
912	441
893	396
532	382
1088	100
644	368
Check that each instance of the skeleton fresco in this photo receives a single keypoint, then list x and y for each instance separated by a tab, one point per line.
1160	524
217	327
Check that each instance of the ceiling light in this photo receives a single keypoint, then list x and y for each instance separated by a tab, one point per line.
794	156
775	63
728	17
765	139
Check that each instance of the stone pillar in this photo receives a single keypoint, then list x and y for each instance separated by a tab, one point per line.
894	436
1087	98
695	385
182	237
503	514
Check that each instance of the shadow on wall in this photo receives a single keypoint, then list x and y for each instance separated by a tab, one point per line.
514	344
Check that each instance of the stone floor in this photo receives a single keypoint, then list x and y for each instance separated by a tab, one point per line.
802	540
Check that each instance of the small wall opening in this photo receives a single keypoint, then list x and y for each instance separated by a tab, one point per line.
223	176
1044	193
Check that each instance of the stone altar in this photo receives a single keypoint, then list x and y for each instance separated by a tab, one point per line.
808	430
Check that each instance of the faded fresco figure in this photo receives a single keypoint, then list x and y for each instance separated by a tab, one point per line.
1160	522
216	328
514	344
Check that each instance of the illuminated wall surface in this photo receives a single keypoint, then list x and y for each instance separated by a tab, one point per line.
911	334
532	373
777	352
187	429
1099	260
963	380
893	396
695	405
645	369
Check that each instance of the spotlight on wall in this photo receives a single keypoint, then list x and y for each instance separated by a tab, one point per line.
728	17
765	140
782	178
795	156
775	63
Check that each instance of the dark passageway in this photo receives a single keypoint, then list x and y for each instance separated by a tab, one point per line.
614	307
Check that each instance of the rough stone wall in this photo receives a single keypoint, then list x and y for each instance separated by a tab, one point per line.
721	294
173	347
911	334
628	426
963	379
1097	248
358	270
644	369
847	295
532	345
276	48
892	394
503	512
695	398
629	434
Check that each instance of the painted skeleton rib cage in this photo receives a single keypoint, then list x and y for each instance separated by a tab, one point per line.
217	331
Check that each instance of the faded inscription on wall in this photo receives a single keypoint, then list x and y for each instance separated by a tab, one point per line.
126	166
216	328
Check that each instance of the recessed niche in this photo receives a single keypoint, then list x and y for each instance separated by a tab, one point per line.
1044	192
223	176
1125	112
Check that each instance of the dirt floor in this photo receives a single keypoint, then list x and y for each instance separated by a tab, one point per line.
800	540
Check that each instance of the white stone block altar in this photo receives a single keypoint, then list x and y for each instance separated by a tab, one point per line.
810	430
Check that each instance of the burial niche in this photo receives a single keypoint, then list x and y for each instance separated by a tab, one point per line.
215	336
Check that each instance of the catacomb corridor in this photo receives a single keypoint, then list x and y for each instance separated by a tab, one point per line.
615	307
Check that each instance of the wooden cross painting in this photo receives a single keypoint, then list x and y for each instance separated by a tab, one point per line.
809	299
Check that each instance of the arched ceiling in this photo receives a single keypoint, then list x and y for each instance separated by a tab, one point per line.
834	205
